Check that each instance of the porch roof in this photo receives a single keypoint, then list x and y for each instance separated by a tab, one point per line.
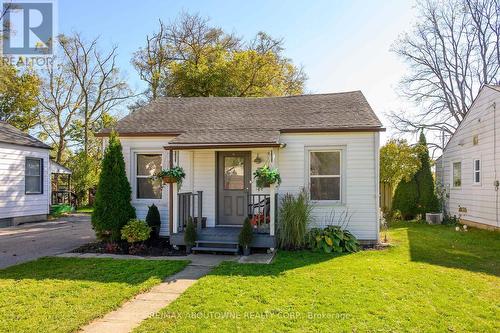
225	138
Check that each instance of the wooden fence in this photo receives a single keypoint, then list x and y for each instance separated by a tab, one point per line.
385	196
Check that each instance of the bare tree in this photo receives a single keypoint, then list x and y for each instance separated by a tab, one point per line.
60	100
452	51
97	79
151	61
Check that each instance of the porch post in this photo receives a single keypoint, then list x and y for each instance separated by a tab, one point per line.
175	210
272	195
272	208
170	194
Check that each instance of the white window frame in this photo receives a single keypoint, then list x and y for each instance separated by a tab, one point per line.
340	176
478	171
40	176
453	175
135	176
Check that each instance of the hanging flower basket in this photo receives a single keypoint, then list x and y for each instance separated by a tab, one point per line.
171	176
265	176
169	180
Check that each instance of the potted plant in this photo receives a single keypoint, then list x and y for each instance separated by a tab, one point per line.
189	235
172	175
245	238
265	176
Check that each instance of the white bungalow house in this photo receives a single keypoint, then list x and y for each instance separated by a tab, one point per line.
470	164
24	177
327	144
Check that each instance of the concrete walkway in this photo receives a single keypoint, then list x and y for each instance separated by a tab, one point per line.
30	241
142	306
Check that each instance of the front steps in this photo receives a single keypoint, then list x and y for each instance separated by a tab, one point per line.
216	246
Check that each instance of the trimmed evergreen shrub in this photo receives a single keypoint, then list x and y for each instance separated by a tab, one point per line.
427	199
154	221
190	233
112	207
246	234
406	199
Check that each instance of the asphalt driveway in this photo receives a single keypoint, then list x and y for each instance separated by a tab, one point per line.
34	240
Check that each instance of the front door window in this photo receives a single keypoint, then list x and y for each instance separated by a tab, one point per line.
234	173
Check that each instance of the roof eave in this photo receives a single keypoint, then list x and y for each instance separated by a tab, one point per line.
40	146
223	145
326	130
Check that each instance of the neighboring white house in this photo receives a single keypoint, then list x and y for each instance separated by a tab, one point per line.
469	166
24	177
327	144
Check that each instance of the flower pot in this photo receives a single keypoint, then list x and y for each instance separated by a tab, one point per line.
246	251
169	180
188	249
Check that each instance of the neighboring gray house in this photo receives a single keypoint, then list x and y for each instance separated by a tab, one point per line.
470	165
327	144
24	177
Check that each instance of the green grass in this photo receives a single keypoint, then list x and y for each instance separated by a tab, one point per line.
85	209
62	294
433	279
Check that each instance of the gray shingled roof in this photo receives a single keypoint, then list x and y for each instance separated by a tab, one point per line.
494	86
10	134
250	120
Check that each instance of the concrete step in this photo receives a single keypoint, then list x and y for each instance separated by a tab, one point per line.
214	241
215	249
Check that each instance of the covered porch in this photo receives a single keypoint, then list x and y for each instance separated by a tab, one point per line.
219	193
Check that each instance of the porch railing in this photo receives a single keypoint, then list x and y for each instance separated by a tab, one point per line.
190	205
259	211
63	197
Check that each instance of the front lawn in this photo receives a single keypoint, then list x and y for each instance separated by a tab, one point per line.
434	279
62	294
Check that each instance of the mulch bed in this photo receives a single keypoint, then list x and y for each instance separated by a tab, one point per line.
157	247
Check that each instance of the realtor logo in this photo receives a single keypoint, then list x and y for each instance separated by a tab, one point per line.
28	28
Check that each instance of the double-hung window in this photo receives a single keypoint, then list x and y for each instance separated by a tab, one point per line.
146	166
476	167
33	183
325	180
457	174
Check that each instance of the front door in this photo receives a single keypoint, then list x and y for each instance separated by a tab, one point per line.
233	174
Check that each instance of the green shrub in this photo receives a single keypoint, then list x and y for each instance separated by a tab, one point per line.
427	199
136	231
294	217
154	221
405	199
265	176
112	208
246	234
190	233
332	239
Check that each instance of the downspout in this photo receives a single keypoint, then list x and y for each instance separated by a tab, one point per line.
376	147
496	183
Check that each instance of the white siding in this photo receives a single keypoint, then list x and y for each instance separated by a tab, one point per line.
151	145
480	200
13	200
360	177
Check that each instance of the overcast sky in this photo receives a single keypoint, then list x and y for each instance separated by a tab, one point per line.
343	45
